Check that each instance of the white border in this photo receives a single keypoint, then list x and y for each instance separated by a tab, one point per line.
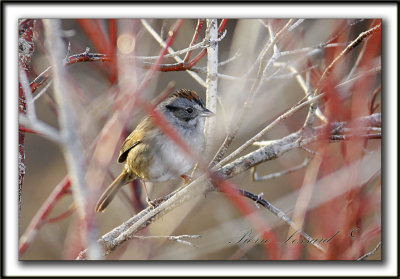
13	12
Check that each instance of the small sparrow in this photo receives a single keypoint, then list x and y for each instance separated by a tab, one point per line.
149	155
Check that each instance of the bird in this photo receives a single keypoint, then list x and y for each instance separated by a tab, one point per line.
149	155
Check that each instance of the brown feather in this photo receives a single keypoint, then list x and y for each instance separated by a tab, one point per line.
134	138
112	190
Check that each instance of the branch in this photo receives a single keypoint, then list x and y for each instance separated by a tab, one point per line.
370	253
260	134
281	215
212	82
25	51
176	238
361	37
275	149
195	35
39	220
307	91
256	85
170	50
255	177
73	149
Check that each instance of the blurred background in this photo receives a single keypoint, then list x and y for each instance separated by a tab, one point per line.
310	46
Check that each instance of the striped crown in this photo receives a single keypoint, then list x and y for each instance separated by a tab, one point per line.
188	94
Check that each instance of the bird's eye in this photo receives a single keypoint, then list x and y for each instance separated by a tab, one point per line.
189	110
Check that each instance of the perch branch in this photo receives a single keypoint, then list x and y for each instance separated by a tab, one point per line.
199	186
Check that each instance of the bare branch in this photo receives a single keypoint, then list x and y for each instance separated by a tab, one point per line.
73	150
255	177
361	37
42	128
370	253
260	134
256	85
176	238
212	82
201	185
170	51
281	215
307	91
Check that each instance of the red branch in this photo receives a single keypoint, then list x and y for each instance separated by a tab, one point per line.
200	23
40	217
112	29
103	44
183	66
22	129
82	57
26	48
94	31
93	57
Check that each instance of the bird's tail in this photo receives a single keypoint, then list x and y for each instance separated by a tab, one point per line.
111	190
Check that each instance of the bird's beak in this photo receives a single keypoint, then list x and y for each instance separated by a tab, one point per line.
206	113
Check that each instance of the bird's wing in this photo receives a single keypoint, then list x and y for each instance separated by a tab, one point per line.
126	147
135	138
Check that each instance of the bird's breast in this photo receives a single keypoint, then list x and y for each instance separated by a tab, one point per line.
170	161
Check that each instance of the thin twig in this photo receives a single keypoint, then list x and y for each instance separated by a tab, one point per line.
281	215
370	253
255	177
202	44
296	24
307	92
358	60
170	50
195	35
263	64
260	134
361	37
311	50
41	92
40	216
176	238
371	71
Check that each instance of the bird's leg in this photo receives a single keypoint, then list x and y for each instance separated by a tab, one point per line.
148	200
186	179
